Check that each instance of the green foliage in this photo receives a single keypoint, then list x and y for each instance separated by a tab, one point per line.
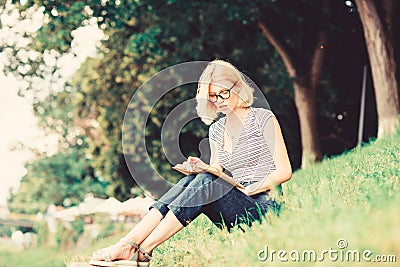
68	174
42	231
78	226
67	234
143	37
5	231
50	180
35	257
62	235
106	228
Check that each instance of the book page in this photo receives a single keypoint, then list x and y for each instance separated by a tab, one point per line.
183	168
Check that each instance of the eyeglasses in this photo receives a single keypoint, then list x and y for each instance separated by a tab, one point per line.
224	94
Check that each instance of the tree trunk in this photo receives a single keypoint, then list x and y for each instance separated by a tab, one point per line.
304	99
305	86
383	67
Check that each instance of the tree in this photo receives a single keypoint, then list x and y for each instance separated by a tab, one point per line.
136	47
379	40
143	37
68	174
304	69
97	108
54	179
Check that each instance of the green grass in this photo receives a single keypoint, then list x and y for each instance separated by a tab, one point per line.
354	196
36	257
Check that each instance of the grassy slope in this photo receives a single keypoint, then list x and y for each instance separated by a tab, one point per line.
353	196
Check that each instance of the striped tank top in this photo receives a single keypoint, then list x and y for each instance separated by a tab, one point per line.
250	160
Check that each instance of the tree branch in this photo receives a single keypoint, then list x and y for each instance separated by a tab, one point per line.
318	60
319	51
283	50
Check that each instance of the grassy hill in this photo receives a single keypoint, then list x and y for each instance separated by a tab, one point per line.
348	204
353	198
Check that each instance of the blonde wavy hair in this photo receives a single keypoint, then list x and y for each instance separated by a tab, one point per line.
216	72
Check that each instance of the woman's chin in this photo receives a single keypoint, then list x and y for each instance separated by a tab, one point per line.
224	110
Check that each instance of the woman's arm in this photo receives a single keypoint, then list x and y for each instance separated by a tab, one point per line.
273	137
214	160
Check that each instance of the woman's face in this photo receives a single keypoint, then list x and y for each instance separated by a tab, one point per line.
224	96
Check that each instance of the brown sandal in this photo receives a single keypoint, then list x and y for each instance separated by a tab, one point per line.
147	257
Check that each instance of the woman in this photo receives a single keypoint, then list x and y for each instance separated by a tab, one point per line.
246	141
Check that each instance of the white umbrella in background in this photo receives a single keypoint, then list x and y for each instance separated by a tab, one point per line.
90	205
136	206
110	206
67	214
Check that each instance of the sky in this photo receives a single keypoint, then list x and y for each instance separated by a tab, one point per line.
18	124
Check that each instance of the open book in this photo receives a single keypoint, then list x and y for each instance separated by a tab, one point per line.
187	169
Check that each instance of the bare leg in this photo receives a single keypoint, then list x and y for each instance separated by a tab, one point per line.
169	226
145	226
122	250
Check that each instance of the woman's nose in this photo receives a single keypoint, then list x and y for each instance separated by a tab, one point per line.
220	99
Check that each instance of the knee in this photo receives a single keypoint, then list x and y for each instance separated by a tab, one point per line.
186	180
204	178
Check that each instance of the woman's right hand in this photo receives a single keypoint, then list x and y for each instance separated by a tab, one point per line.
196	163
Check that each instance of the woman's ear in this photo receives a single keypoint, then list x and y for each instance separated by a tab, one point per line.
239	85
242	98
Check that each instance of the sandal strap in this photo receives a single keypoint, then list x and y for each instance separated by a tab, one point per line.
133	244
146	254
107	258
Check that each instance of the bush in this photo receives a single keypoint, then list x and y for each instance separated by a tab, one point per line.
42	231
68	233
5	230
78	227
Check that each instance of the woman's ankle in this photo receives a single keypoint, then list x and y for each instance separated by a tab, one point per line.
144	255
129	242
125	248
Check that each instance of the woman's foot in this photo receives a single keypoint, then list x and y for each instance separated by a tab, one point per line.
144	257
119	251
